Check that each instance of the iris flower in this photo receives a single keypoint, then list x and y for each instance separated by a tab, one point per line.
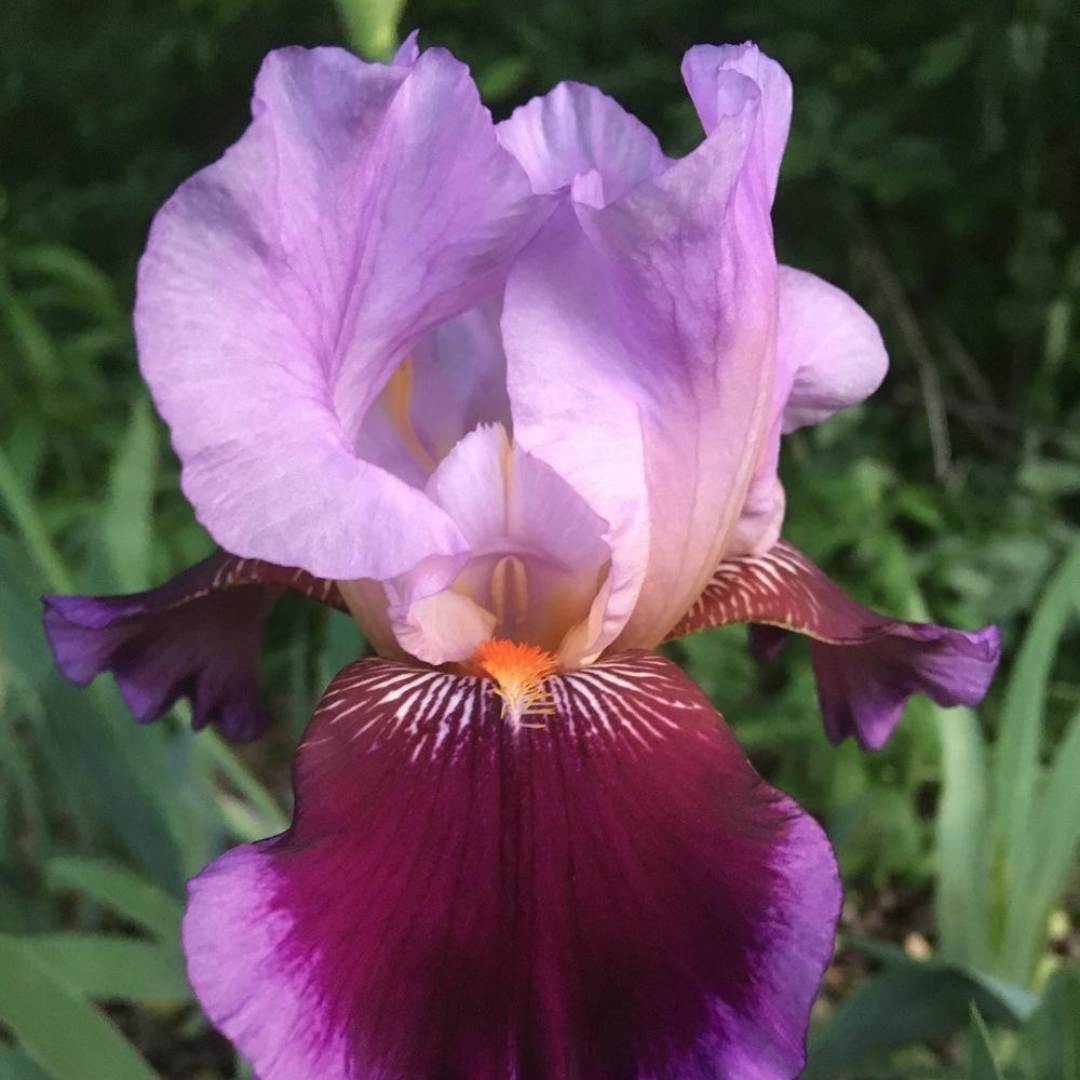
511	394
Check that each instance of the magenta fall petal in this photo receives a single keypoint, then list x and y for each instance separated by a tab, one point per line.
613	894
198	636
866	665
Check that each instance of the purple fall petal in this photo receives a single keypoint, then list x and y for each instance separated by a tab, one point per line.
866	665
611	893
198	636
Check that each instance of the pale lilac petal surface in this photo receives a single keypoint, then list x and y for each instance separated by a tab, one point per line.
575	131
829	355
453	380
198	636
866	665
364	206
536	555
829	352
614	894
828	347
640	340
703	71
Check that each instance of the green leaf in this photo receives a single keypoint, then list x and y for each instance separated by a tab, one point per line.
940	59
19	503
84	283
119	771
114	968
1049	858
981	1063
15	1065
961	900
32	342
127	524
907	1002
1019	742
118	888
1050	1043
57	1027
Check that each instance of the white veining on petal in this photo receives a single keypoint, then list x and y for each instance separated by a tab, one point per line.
629	699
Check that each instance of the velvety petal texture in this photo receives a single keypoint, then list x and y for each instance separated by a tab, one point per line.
365	206
198	636
866	665
640	339
603	891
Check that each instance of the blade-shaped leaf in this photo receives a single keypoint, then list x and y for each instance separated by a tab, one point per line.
981	1063
906	1003
1049	857
961	900
121	890
15	1065
1016	754
1050	1043
112	968
127	524
57	1027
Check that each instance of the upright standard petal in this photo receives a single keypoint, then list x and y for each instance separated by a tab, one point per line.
704	69
198	636
365	205
640	341
829	350
866	665
829	355
576	132
605	892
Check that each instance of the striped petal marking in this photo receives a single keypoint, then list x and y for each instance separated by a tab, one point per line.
866	665
198	636
602	890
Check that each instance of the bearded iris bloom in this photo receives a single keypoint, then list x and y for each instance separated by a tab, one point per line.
513	396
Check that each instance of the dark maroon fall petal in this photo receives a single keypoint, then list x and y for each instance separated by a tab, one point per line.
605	892
866	665
198	636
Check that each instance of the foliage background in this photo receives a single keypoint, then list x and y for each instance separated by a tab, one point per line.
932	171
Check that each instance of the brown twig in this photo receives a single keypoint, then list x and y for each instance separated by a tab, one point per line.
926	368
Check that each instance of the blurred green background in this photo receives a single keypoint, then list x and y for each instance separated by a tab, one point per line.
932	171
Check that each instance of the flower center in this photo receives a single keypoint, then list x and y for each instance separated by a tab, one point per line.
520	673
